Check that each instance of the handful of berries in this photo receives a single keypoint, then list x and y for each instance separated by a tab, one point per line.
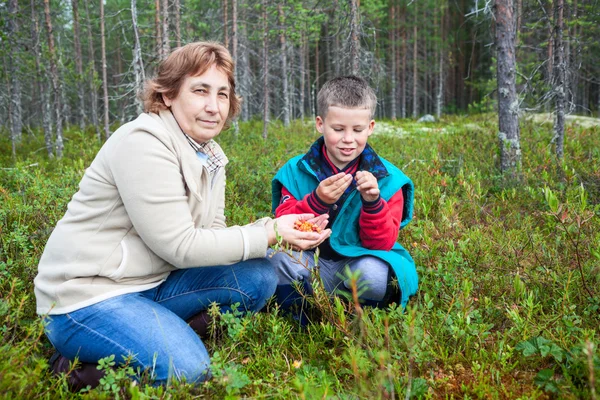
305	226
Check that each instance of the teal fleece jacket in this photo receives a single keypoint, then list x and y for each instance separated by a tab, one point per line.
298	178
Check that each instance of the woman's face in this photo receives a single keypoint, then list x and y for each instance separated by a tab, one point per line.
202	106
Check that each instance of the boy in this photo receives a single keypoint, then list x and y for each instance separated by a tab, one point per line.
367	198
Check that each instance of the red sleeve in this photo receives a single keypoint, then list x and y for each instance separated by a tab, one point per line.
380	222
288	204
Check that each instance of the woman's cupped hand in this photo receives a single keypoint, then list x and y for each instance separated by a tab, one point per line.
299	240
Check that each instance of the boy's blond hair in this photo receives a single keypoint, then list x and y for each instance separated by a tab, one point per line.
348	92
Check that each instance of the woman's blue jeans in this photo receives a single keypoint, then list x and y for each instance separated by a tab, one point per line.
150	326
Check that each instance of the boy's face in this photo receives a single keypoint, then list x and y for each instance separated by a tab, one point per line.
345	131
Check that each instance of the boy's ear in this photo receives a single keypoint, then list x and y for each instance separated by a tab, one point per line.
319	123
371	127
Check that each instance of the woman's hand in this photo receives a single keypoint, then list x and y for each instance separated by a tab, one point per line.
299	240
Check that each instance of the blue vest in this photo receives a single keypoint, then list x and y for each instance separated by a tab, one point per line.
299	180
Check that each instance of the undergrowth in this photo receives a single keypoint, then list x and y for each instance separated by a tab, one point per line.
509	298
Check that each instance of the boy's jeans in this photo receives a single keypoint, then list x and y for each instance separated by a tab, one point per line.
374	277
151	325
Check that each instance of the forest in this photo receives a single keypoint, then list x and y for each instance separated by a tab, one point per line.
491	107
83	63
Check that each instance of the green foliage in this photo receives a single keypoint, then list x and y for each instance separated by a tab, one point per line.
509	298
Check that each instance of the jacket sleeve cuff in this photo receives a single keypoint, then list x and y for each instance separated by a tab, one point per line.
373	207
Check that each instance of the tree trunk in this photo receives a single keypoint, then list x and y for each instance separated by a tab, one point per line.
225	20
78	63
265	61
415	110
439	101
336	43
302	75
559	80
104	78
93	87
284	67
392	52
138	63
55	81
157	27
43	102
234	50
354	38
166	46
178	22
403	69
16	108
245	82
508	103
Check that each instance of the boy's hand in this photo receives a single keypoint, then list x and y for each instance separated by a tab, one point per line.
367	185
331	189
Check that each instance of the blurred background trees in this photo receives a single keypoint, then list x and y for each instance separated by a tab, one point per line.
422	56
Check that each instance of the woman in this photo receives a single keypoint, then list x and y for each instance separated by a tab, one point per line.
143	247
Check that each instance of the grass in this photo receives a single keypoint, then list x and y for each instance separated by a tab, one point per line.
509	299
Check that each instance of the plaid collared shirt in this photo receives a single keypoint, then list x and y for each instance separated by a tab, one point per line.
215	159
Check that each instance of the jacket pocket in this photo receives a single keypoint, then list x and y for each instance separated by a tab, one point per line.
137	260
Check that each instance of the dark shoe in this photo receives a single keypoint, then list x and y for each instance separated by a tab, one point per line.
86	374
201	324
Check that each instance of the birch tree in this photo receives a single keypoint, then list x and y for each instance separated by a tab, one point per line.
559	80
354	38
265	62
15	107
508	104
166	46
78	63
56	82
138	63
104	78
92	75
284	67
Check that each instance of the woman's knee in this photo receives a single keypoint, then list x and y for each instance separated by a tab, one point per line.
190	363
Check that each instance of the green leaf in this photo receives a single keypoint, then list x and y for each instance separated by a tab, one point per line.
527	348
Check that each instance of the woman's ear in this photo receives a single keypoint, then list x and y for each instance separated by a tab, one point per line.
166	100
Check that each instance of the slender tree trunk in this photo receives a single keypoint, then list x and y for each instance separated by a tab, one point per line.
166	45
16	108
404	64
44	103
265	60
93	76
157	27
336	43
104	78
78	63
354	38
284	67
508	103
234	50
439	101
303	75
55	81
225	23
138	63
392	52
245	61
415	110
178	22
317	72
559	80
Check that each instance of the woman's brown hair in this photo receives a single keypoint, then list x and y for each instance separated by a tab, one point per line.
193	59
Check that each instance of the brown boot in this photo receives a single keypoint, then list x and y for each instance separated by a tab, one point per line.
86	374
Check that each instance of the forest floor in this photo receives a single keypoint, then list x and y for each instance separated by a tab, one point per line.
508	305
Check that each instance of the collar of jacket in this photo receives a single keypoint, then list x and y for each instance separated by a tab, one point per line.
173	136
369	161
